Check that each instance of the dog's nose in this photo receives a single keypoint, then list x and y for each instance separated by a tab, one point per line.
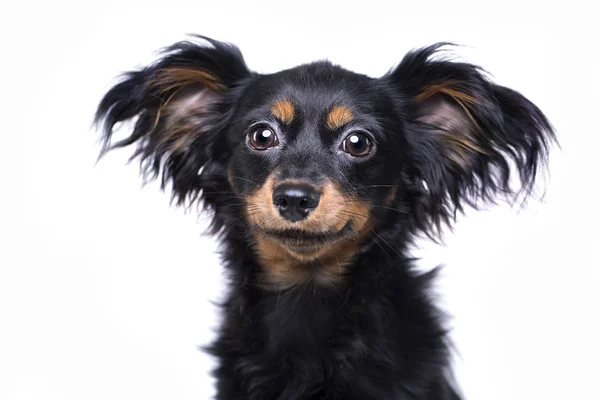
295	200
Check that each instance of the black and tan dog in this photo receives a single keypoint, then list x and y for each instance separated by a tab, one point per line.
318	179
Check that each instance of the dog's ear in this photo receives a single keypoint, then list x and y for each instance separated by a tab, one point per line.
466	134
182	102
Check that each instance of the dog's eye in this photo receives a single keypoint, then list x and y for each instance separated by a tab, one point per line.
357	144
262	139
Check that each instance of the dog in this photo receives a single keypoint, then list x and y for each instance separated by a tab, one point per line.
318	179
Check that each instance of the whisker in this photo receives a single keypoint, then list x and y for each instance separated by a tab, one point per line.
243	179
380	246
390	208
384	241
232	193
374	186
232	226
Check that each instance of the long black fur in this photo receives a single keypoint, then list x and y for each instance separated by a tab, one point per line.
379	335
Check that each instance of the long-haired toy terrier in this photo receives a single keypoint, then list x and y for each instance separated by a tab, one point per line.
318	179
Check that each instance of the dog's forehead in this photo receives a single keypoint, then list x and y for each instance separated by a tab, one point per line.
311	90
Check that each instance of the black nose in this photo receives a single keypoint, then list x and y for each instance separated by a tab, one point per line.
295	200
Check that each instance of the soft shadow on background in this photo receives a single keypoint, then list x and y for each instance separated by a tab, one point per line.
106	291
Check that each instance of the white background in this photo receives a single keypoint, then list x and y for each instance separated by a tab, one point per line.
105	290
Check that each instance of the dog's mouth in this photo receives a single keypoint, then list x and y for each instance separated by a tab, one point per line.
328	232
304	241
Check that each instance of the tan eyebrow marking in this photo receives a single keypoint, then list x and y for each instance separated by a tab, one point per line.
283	110
339	116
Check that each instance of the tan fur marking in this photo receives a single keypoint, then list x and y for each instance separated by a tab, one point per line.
177	134
283	110
391	196
168	79
338	117
448	88
284	265
463	142
178	116
283	269
460	142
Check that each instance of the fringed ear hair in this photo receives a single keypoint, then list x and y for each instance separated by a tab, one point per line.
181	102
465	132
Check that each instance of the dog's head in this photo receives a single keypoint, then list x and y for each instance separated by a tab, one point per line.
308	164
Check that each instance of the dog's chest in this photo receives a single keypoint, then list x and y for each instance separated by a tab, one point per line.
304	321
305	344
